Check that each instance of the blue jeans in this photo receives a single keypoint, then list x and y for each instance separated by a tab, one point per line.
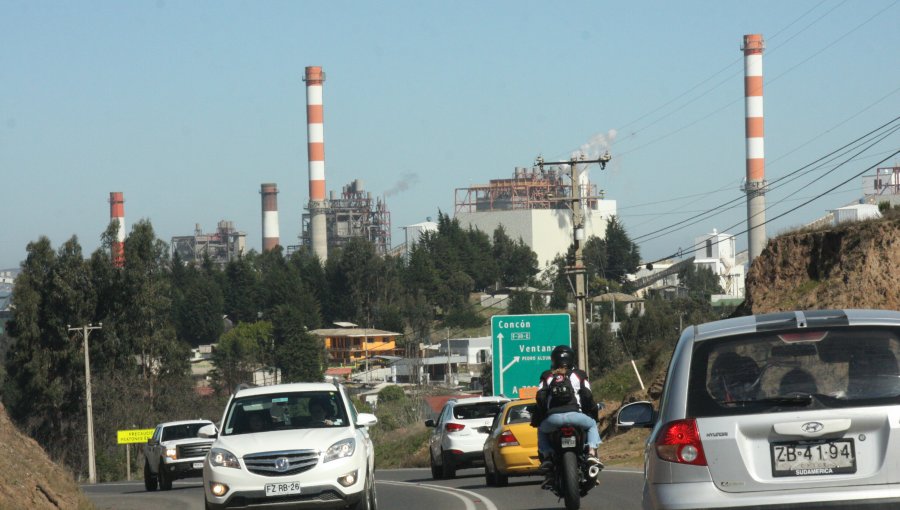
576	419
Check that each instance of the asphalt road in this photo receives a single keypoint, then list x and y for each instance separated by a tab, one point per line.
402	489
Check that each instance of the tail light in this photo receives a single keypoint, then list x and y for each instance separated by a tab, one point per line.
679	441
454	427
507	438
567	431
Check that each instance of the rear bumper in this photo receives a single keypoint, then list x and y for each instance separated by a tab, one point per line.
515	460
690	496
466	459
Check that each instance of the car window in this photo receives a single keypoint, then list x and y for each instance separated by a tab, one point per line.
285	411
155	436
519	414
478	410
183	431
839	367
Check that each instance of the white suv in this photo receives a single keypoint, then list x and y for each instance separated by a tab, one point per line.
292	445
459	434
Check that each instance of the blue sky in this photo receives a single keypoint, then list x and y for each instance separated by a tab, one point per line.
187	107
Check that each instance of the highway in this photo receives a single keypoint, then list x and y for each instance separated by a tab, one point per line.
406	489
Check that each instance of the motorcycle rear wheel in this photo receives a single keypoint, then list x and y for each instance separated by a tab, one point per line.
569	481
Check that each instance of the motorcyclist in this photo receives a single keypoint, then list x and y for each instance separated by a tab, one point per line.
580	412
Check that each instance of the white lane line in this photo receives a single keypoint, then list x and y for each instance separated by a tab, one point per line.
470	504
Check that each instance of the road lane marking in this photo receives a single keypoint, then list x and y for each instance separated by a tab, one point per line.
470	503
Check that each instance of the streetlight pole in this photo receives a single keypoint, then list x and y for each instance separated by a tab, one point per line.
577	270
92	463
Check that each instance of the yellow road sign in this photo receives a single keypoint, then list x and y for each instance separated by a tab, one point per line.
134	436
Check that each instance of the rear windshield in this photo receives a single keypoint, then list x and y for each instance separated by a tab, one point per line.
519	414
185	431
787	371
285	411
476	411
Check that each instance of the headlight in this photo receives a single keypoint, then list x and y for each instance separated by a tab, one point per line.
340	449
223	458
172	453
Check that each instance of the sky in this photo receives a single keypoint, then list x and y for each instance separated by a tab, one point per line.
187	107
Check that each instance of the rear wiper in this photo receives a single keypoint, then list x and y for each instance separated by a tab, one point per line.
801	400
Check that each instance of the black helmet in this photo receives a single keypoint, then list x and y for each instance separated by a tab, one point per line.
562	356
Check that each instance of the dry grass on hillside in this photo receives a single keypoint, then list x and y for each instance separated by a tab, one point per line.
28	479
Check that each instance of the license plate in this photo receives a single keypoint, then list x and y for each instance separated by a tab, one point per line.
198	465
811	458
568	442
282	489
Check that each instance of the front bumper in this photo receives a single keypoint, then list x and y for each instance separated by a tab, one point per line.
319	486
184	468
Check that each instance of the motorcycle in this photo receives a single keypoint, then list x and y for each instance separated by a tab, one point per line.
571	476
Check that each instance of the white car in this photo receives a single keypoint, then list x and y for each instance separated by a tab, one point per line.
291	445
174	451
459	434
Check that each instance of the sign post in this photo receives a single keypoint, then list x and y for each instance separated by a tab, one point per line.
522	345
129	437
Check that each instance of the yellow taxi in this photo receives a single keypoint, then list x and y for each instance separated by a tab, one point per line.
511	446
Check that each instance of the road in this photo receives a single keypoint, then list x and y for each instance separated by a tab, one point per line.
398	489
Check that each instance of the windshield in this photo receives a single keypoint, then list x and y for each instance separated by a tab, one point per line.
838	367
285	411
185	431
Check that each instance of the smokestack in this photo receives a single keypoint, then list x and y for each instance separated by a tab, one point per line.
117	214
755	185
269	192
316	149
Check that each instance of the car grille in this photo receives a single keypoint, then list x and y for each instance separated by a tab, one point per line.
188	451
281	463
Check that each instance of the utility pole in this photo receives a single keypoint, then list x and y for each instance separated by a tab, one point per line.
577	270
92	463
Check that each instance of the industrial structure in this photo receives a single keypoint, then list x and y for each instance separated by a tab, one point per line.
717	252
534	205
355	214
755	184
117	215
270	236
315	135
222	246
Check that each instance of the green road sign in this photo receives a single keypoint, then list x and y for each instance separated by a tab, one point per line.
522	345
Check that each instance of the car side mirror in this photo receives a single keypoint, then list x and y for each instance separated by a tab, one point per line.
636	414
429	423
366	420
208	431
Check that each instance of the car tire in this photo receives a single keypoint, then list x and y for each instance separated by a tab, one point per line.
448	467
165	480
490	479
150	482
369	501
436	471
501	480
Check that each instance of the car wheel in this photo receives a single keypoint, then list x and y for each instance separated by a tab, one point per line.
501	480
448	468
149	478
435	469
165	479
369	501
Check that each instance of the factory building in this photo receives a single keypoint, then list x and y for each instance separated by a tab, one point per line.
534	205
222	246
717	252
352	215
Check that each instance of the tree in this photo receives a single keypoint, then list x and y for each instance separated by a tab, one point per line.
240	351
298	354
517	262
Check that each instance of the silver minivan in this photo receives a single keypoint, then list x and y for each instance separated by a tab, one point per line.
783	410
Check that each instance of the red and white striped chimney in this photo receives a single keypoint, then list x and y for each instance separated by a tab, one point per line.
269	192
316	149
755	185
117	214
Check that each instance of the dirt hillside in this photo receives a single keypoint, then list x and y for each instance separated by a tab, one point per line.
852	266
28	479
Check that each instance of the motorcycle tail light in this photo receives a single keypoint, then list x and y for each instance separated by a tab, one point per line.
454	427
567	431
679	441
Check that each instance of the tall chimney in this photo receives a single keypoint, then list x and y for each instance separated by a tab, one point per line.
316	149
117	214
269	192
755	185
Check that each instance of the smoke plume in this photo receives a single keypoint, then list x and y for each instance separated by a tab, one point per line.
407	180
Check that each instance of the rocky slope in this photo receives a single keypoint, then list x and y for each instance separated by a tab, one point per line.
851	266
29	479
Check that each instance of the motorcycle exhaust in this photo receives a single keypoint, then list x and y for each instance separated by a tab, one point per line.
594	471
